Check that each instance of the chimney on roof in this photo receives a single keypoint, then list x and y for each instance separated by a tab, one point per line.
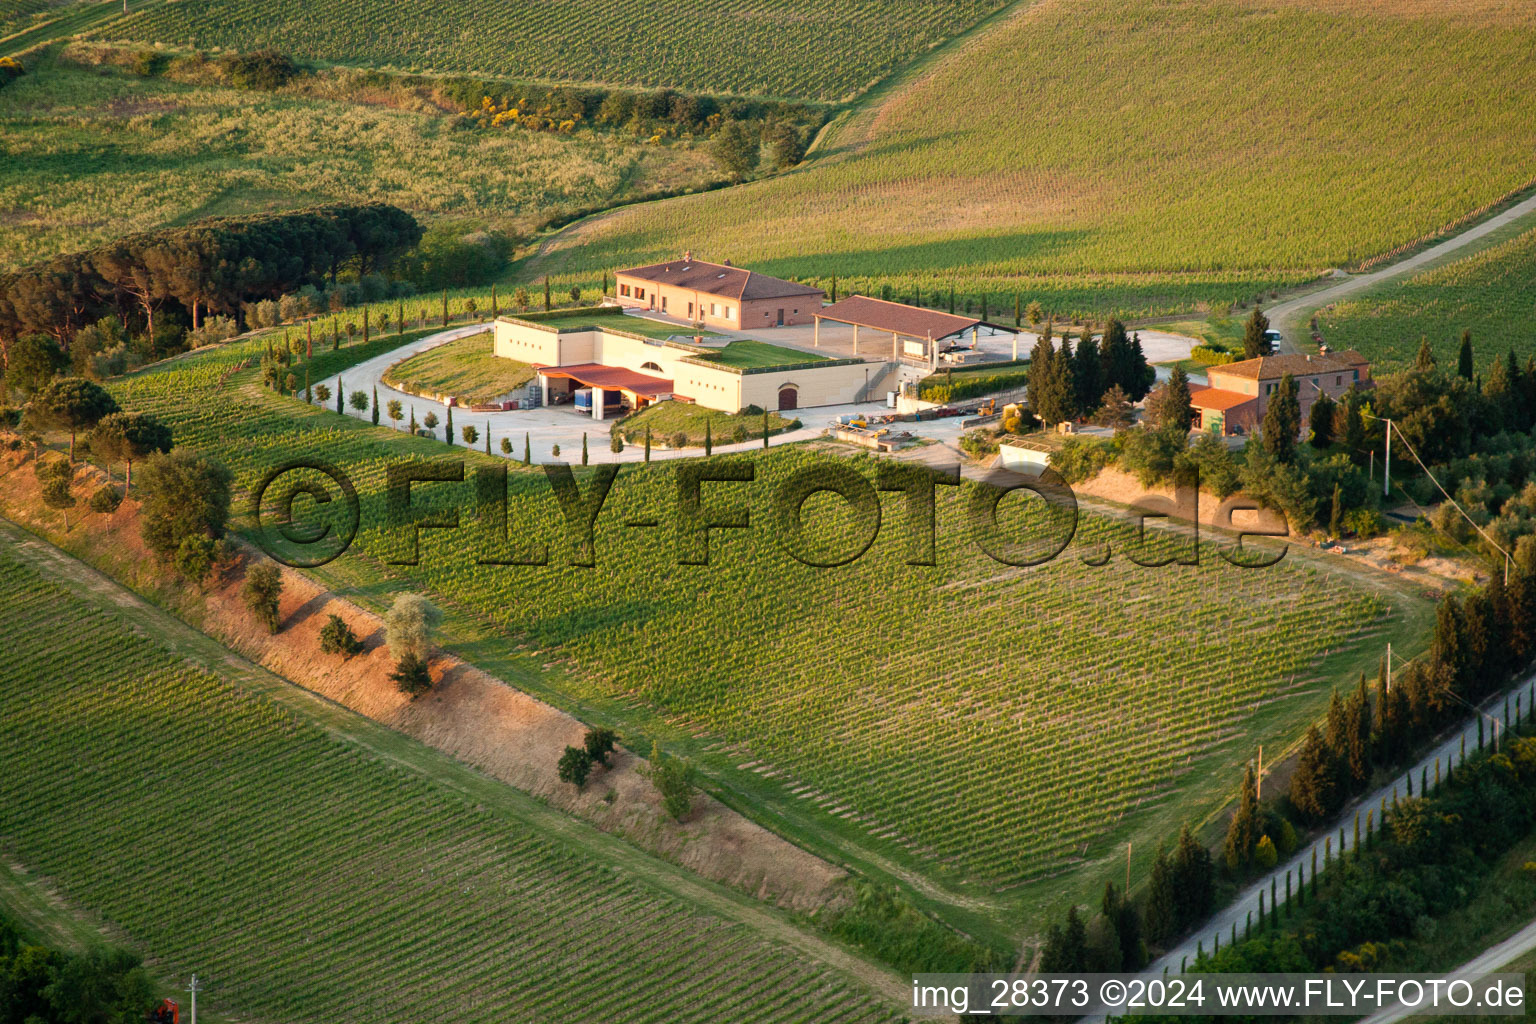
725	263
688	256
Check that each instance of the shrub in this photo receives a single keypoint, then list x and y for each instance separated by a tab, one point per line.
336	637
1082	458
195	558
263	69
1265	856
574	766
263	585
599	744
1208	355
1364	523
740	434
105	500
408	626
678	440
411	676
10	70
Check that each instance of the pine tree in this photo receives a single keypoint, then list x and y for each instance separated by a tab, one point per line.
1243	831
1254	342
1464	361
1282	421
1050	382
1143	376
1115	352
1115	412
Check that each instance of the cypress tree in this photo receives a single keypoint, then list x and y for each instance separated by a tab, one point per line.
308	396
834	288
445	307
951	296
1193	879
339	392
709	444
1254	342
365	325
583	433
487	439
1142	373
1464	366
495	308
1088	373
1161	914
448	426
1018	310
1424	361
400	318
335	335
546	293
1282	421
1243	831
527	450
1314	788
375	405
647	444
765	428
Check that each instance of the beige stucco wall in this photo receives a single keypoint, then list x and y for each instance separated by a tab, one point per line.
827	385
715	310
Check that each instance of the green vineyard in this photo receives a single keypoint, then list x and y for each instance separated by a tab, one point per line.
1490	294
304	879
1021	717
823	49
1132	155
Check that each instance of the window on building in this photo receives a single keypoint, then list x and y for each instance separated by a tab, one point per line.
730	312
1356	375
714	309
1269	389
624	289
663	303
1338	381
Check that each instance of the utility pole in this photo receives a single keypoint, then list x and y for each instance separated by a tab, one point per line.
194	988
1386	472
1389	666
1258	777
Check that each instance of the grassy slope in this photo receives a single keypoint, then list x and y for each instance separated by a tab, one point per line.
95	154
1492	293
770	684
817	49
278	823
1166	153
465	368
747	353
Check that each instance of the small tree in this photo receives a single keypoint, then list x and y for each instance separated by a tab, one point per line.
1320	422
469	433
411	676
520	298
72	404
527	449
574	766
105	500
408	626
359	400
575	295
336	637
673	779
583	447
1254	342
1282	421
1033	313
375	405
195	558
709	441
506	446
127	437
616	444
322	393
448	424
184	492
599	744
429	421
53	476
261	590
395	410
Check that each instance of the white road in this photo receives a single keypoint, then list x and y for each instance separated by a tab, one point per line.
1290	316
1444	754
1487	962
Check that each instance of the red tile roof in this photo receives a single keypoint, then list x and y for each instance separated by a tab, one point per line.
719	279
1275	367
614	378
1216	399
897	318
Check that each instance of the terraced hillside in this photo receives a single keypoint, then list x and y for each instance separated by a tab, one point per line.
1137	155
308	878
821	49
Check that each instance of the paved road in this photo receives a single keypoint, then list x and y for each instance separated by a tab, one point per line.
1446	753
1290	317
1486	962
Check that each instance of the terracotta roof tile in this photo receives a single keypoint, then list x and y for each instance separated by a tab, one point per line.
718	279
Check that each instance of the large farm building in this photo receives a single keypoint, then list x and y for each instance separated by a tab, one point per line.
717	294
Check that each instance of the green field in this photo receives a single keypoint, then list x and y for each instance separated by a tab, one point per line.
1142	156
821	49
465	368
966	748
1491	293
305	876
92	154
654	328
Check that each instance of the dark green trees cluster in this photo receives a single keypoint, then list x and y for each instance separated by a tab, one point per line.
1067	384
213	266
41	985
576	763
1180	894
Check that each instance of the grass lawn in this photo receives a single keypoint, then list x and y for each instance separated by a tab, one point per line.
1491	293
747	354
667	419
1222	332
653	328
464	368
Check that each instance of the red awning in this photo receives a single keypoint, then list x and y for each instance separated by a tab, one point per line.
612	378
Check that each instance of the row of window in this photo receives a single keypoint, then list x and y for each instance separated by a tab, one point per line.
1338	382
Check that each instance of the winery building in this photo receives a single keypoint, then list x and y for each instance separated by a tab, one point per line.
717	295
